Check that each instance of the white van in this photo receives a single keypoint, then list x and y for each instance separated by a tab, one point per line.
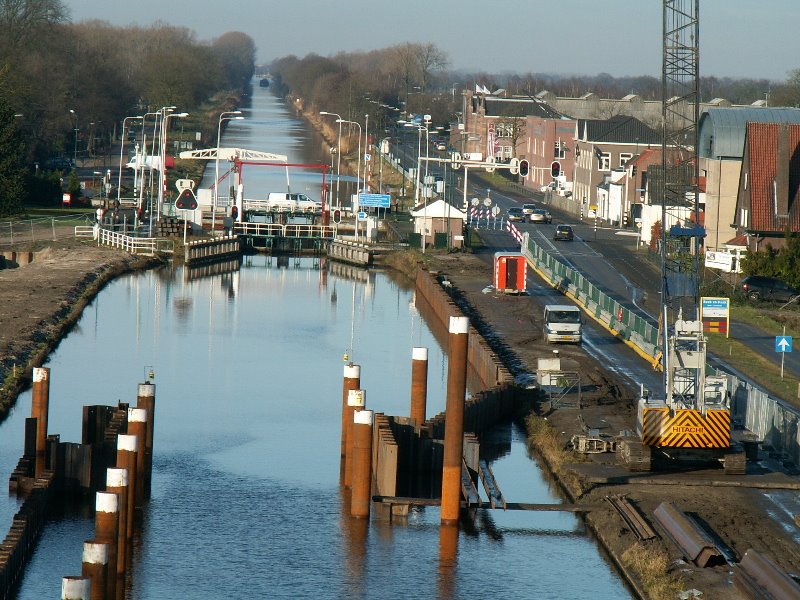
292	203
562	323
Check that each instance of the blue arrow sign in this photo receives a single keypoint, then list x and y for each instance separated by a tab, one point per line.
783	343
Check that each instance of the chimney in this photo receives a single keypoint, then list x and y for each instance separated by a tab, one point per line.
781	189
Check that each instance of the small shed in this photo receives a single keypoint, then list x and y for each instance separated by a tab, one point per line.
441	223
510	272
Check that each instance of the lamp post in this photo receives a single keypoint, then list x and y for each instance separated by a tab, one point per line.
366	148
222	117
420	128
163	156
338	151
121	147
75	146
358	162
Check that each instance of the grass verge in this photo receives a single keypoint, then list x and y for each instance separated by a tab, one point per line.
545	441
651	565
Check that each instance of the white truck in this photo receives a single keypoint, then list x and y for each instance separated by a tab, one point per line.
285	202
562	323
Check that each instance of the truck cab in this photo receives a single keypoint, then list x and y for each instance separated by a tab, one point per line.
562	323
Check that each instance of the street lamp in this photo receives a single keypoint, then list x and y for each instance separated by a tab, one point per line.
121	147
420	128
358	163
222	117
338	151
163	156
75	147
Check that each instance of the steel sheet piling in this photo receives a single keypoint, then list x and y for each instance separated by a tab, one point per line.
351	381
356	400
419	384
137	425
117	483
40	406
75	588
126	459
362	464
106	529
454	419
95	567
146	399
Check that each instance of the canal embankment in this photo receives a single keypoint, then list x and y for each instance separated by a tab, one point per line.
42	300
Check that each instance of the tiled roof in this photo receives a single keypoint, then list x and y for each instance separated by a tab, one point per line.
762	142
618	129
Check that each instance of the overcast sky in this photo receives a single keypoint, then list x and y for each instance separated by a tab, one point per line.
753	38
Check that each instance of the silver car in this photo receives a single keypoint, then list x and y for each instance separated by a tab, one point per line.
540	215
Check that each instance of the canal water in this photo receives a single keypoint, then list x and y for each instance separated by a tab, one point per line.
246	500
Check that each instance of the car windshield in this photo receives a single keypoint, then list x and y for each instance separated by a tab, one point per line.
564	316
514	211
564	228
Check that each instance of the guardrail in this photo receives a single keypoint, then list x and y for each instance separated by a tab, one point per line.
635	328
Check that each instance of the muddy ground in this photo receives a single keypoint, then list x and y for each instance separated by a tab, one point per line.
40	301
737	515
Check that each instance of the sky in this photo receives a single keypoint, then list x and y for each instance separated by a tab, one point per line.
738	38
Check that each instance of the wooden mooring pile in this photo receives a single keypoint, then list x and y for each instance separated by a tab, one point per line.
111	466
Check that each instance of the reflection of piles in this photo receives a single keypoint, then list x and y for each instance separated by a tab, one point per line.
351	273
193	272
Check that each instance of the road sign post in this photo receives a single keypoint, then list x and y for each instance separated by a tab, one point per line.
783	344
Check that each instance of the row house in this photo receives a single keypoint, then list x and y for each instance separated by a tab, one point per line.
721	147
603	146
768	200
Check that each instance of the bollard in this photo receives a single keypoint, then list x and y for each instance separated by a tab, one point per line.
95	567
40	405
106	529
419	384
352	381
362	464
75	588
117	483
137	425
126	459
356	399
454	419
146	399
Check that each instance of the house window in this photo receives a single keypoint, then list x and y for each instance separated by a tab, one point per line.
743	218
560	151
604	162
624	157
506	151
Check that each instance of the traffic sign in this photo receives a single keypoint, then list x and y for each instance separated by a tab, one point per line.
374	200
362	216
186	201
783	343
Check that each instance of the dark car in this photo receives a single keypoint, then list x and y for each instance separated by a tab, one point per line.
564	232
58	163
759	287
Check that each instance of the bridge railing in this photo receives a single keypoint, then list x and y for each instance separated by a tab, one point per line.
290	230
134	245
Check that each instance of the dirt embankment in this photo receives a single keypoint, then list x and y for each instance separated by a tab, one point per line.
41	301
737	515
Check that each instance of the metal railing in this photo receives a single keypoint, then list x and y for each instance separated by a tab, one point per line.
134	245
41	229
289	230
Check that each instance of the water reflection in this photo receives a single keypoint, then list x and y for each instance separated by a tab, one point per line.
246	500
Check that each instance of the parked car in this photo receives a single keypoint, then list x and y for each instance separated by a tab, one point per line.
441	145
564	232
759	287
515	214
528	208
540	215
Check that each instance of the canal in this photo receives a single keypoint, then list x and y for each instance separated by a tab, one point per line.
246	500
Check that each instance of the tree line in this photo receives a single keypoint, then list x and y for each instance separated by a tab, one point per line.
65	85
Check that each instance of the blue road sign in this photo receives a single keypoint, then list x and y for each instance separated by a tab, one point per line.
362	216
374	200
783	343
